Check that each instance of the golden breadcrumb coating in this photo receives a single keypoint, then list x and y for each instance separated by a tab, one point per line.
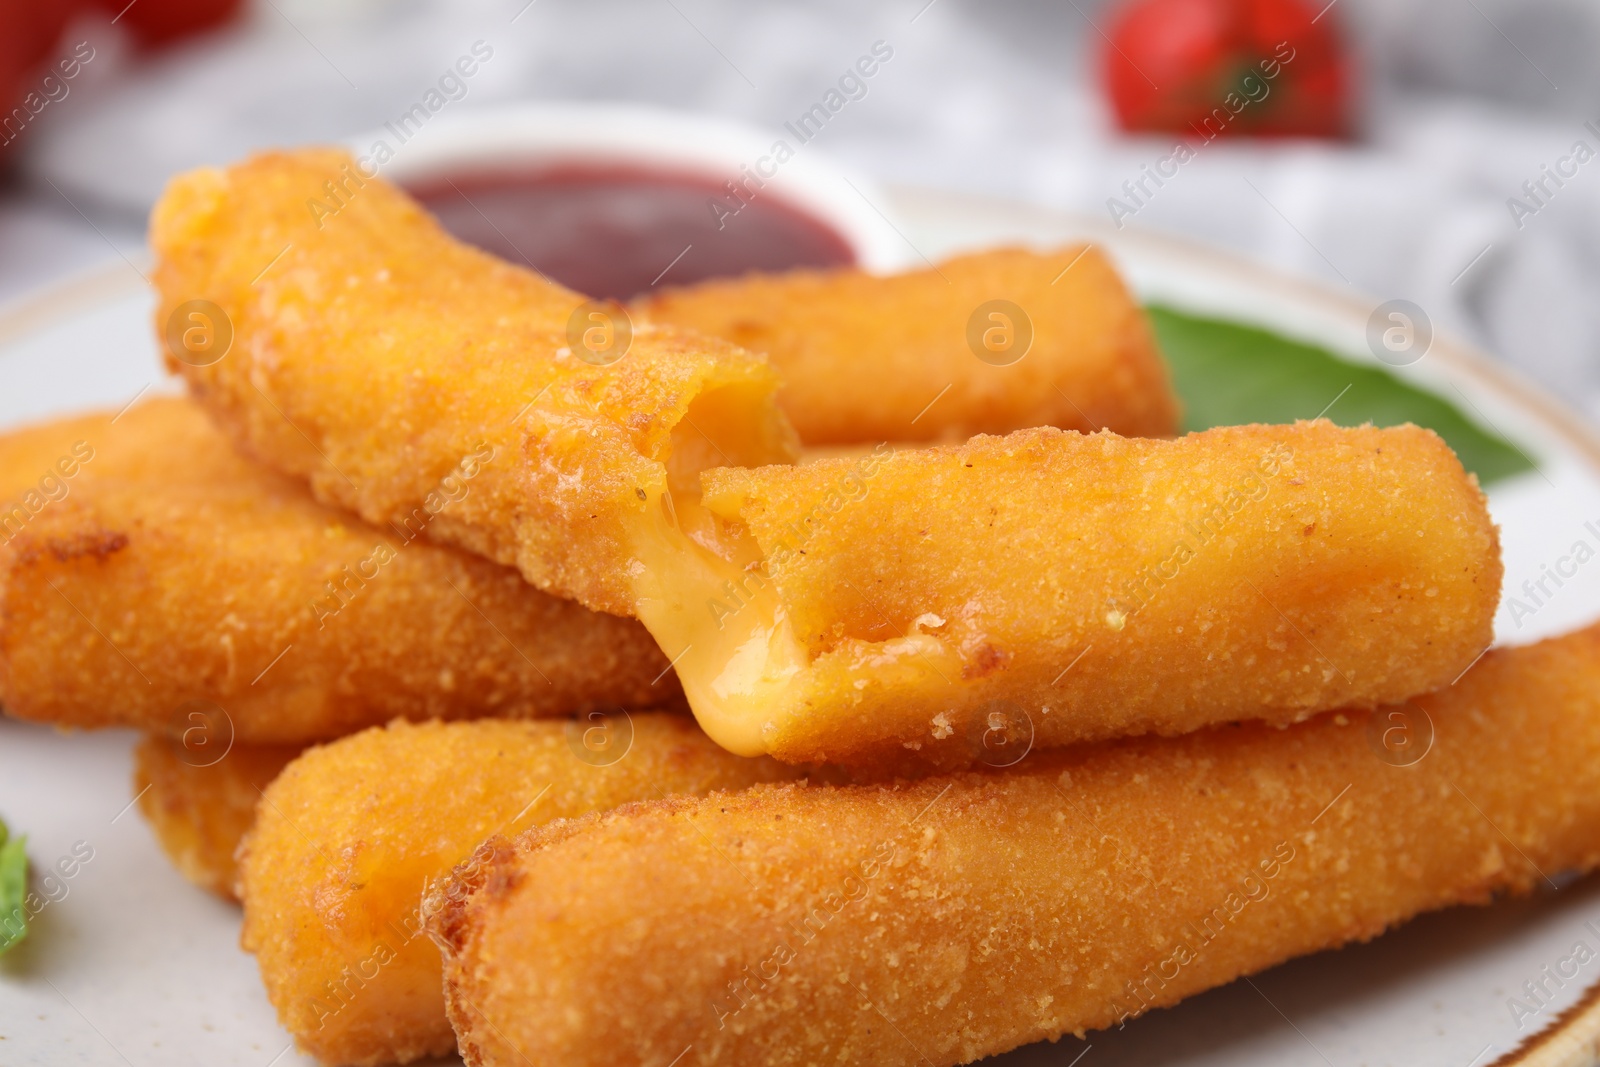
374	354
1082	587
890	359
169	570
864	610
200	810
350	834
939	922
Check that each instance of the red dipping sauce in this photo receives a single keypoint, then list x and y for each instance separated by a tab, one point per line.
617	231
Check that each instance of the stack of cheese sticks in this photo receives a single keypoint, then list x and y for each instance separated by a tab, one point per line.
795	686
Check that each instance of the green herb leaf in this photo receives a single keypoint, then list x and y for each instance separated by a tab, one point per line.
13	889
1229	374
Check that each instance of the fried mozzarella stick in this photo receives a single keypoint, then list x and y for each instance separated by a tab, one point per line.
150	567
349	835
1076	587
200	810
985	343
866	610
374	354
963	916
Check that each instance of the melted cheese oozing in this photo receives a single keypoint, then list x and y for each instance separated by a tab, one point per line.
736	655
699	587
703	590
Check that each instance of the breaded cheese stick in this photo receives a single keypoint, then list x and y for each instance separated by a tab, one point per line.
962	916
374	354
1076	587
433	339
166	569
984	343
200	810
349	835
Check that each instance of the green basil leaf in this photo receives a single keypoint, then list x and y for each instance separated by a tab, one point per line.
13	889
1228	374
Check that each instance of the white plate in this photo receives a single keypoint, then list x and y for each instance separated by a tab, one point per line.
135	966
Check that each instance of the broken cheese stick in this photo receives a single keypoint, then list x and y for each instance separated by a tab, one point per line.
349	835
372	353
903	358
1049	587
168	577
599	498
962	916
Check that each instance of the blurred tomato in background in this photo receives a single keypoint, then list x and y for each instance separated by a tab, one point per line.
1226	68
154	23
1387	146
30	30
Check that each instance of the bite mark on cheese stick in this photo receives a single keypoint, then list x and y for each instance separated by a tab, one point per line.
1079	587
349	835
372	353
200	811
962	916
874	358
168	569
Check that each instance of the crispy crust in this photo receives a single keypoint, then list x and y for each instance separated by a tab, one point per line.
978	912
173	570
1099	586
200	812
350	835
865	357
372	354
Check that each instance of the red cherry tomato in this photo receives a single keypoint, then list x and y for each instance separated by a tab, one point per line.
30	38
154	23
1227	67
28	32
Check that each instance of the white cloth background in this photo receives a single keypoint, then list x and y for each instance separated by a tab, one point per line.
1462	102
